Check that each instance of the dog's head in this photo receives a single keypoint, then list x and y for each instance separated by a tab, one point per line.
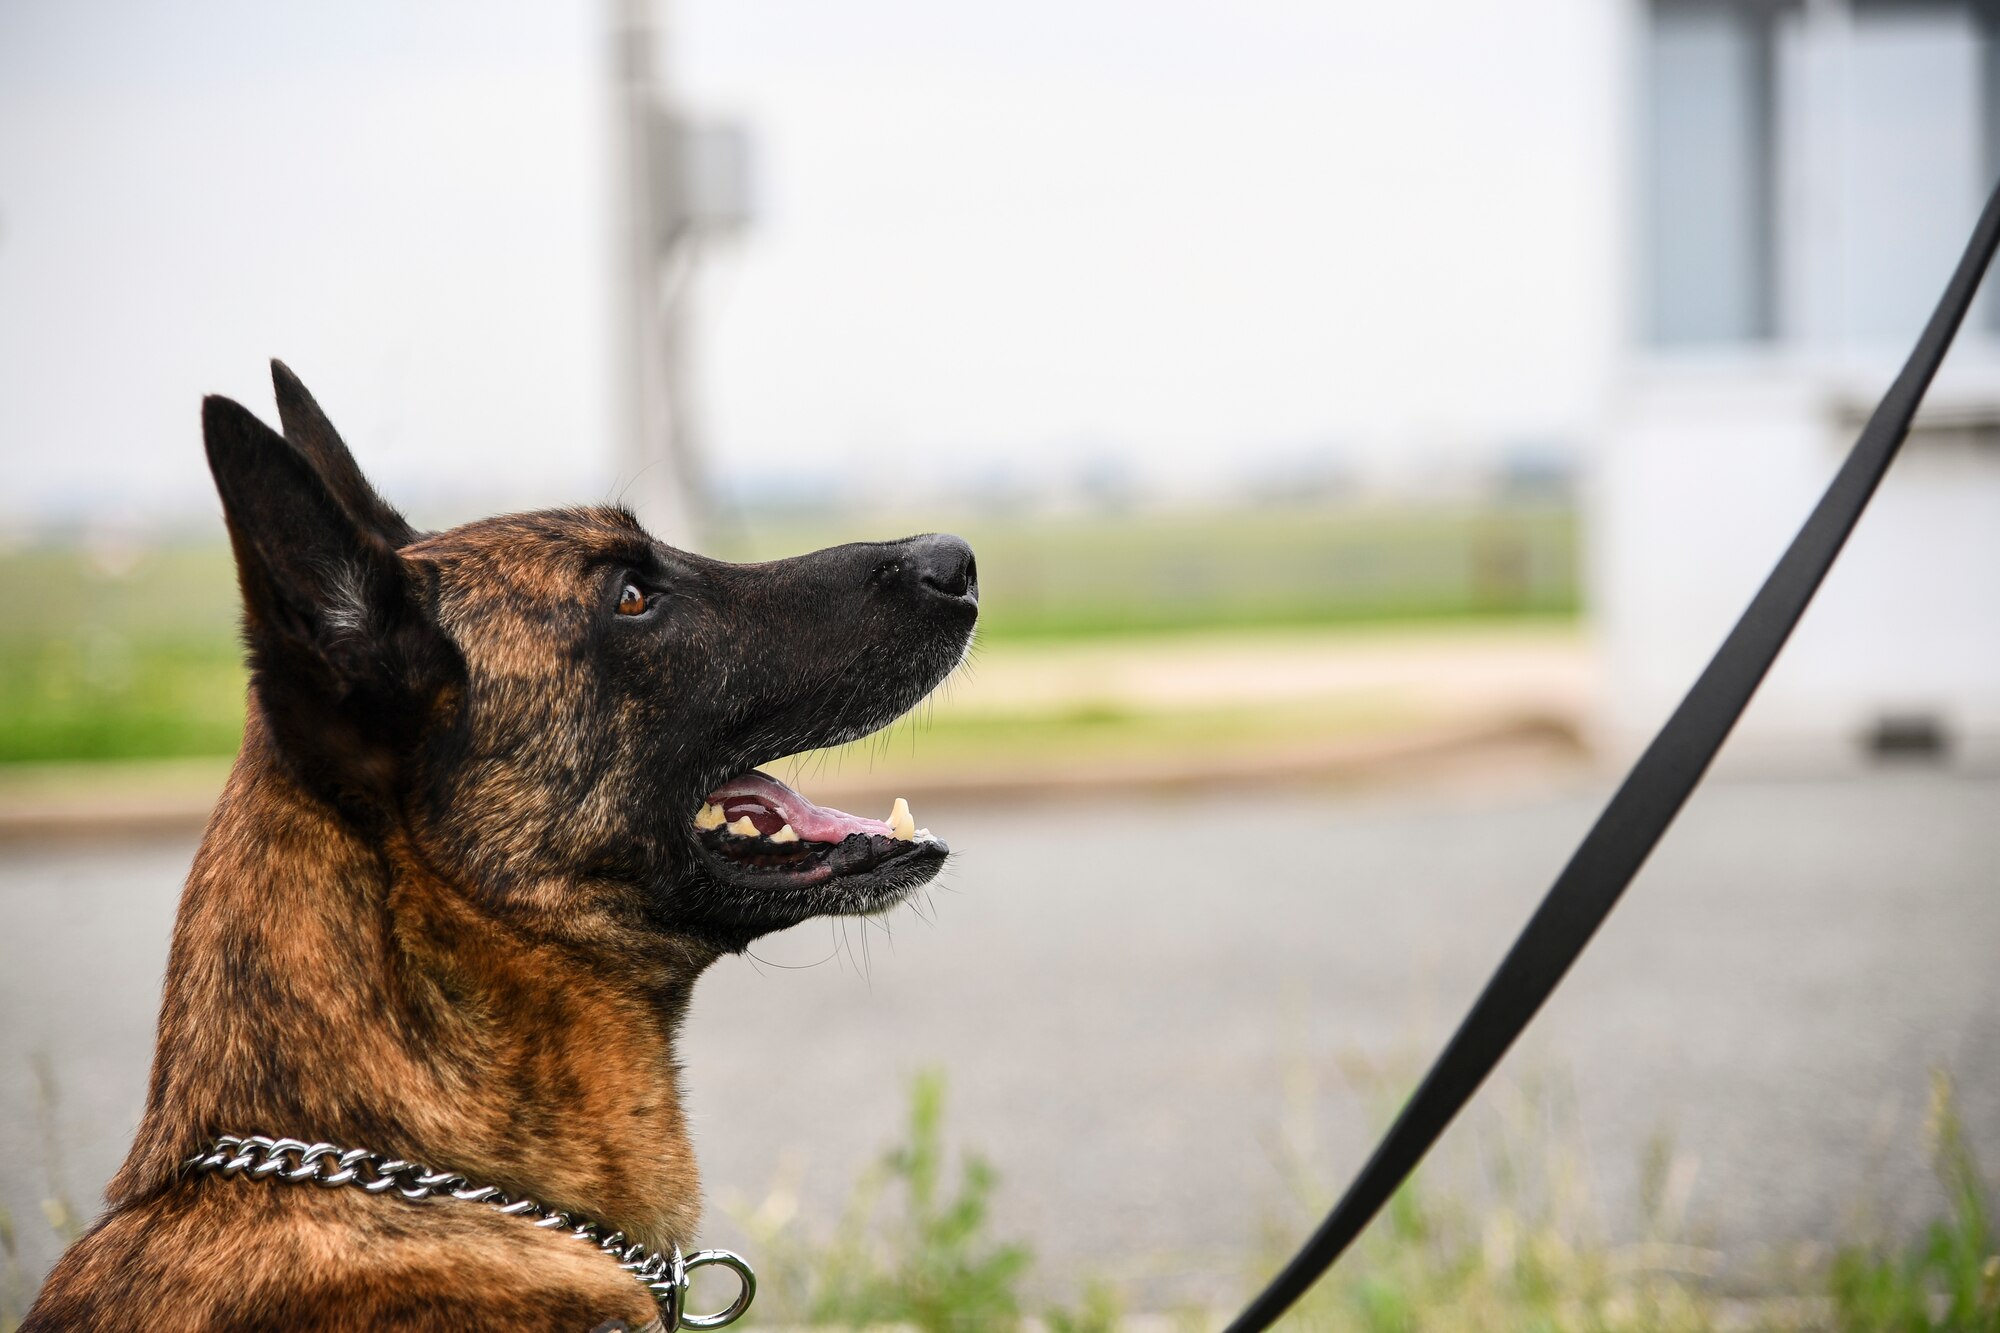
560	711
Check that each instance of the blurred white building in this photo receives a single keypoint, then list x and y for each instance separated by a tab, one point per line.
1806	173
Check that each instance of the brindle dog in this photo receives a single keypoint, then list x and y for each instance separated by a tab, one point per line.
494	814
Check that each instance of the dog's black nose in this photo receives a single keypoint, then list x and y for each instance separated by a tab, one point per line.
944	564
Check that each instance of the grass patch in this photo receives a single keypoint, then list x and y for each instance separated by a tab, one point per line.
127	652
58	1213
114	654
1950	1278
108	696
1531	1252
914	1247
1084	577
1103	731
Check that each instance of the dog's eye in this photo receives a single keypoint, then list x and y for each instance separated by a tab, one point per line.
632	601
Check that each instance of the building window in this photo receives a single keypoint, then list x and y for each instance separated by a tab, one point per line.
1813	166
1712	175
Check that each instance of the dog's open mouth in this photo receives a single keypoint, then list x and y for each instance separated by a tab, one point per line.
756	829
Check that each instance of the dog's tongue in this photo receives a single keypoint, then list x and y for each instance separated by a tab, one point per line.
770	805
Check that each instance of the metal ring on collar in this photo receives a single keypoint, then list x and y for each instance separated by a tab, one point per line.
735	1264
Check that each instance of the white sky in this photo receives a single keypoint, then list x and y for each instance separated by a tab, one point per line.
1198	236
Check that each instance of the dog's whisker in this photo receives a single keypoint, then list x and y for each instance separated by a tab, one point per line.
792	967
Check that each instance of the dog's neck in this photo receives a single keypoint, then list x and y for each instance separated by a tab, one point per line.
325	985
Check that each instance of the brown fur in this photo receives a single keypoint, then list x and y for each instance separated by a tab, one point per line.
448	908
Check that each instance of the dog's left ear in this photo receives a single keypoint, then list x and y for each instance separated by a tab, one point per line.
309	431
347	655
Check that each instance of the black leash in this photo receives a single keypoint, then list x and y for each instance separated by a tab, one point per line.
1644	805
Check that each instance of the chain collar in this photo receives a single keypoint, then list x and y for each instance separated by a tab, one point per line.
664	1276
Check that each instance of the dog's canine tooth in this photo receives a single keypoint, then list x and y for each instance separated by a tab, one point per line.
900	823
743	828
785	834
708	817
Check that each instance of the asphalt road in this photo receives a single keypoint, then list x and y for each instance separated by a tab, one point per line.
1141	1003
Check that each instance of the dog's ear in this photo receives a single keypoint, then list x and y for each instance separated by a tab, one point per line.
346	653
309	431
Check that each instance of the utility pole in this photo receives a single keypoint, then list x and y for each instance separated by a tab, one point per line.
679	185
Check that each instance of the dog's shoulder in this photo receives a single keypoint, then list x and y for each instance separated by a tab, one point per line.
252	1256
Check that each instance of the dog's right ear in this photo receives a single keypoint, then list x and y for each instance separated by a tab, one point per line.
309	431
346	653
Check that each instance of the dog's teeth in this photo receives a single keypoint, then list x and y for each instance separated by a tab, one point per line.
785	834
743	828
900	823
708	817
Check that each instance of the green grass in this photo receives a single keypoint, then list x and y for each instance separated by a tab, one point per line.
1092	731
113	657
931	1263
1528	1252
1947	1280
109	697
125	653
1532	1254
58	1214
913	1248
1535	1253
1084	577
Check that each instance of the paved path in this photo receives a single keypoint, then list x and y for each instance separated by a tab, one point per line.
1130	995
1449	668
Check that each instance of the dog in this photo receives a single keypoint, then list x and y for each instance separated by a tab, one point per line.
497	808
